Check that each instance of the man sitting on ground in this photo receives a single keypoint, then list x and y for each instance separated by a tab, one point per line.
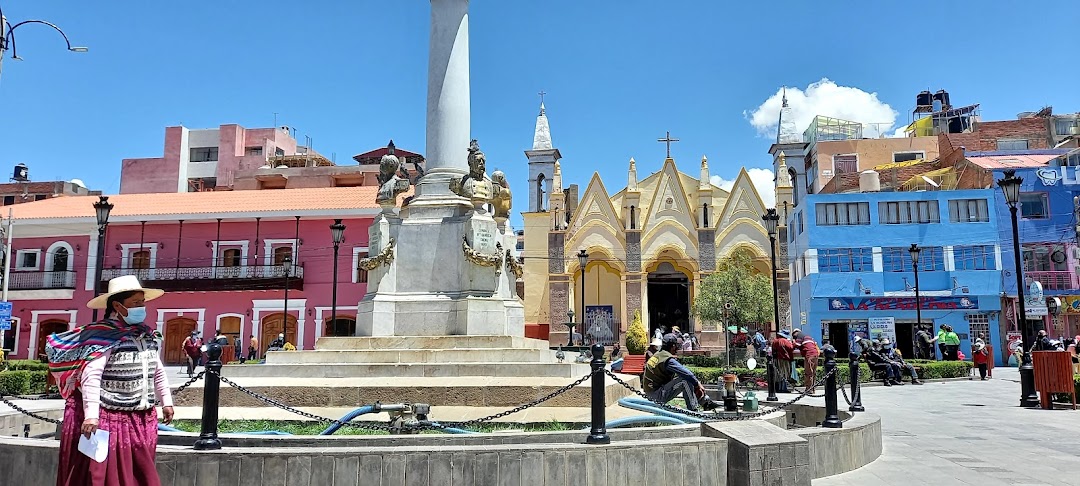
665	378
897	359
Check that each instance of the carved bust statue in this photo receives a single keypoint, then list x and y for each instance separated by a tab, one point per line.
391	181
475	186
503	199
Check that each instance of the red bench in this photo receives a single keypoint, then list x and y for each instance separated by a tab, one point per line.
633	364
1053	374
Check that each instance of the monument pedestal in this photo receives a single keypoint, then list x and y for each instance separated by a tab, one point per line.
447	276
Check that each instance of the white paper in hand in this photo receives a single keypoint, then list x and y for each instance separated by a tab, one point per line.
97	446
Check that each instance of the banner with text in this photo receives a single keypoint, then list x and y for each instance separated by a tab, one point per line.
903	303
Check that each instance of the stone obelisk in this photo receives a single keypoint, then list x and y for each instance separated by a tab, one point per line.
432	286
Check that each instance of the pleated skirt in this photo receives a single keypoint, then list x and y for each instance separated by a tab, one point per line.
132	446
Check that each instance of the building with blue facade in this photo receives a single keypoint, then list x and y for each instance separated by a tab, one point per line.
1048	229
852	272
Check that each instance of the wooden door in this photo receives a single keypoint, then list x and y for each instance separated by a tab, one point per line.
176	330
272	325
44	330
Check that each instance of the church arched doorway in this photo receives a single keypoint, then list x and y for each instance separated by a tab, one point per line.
669	299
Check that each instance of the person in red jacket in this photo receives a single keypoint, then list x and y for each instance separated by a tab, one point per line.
980	356
810	353
783	352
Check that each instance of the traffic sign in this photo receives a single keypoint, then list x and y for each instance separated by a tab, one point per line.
5	316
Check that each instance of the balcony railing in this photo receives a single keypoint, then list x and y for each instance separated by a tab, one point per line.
42	280
212	278
1056	280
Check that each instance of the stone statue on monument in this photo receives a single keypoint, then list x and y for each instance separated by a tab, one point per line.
392	180
476	186
502	199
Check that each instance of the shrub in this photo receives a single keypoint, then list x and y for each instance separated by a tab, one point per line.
27	365
637	338
23	382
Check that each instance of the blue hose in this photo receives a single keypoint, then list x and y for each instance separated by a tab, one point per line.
366	409
453	430
643	405
644	419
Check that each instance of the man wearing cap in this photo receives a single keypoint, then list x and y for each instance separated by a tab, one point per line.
665	378
877	361
893	355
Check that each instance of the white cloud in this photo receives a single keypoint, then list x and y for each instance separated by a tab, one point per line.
763	182
826	98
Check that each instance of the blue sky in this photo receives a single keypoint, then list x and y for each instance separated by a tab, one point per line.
618	75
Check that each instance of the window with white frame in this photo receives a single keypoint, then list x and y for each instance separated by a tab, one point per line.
359	274
27	259
968	211
908	156
11	335
842	214
274	251
139	257
908	212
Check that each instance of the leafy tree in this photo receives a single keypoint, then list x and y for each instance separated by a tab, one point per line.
637	338
735	282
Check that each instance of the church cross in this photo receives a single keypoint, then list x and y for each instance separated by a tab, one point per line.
542	93
667	140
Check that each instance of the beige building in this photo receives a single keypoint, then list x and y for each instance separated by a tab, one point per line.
836	157
650	245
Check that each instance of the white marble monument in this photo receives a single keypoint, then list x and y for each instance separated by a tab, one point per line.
443	265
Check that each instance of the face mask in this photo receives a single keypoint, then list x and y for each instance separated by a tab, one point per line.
136	315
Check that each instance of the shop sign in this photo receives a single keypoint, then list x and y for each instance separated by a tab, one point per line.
882	328
1072	305
903	303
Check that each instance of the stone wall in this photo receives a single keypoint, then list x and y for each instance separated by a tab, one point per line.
687	461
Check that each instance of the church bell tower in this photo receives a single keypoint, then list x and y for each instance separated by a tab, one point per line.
542	160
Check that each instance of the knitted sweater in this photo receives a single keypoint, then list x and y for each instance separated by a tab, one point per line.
120	380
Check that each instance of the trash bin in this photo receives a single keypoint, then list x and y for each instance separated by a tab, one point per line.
1053	374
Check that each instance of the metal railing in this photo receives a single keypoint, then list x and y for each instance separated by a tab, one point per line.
205	273
42	280
1055	280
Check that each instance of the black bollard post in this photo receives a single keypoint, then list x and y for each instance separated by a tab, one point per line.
856	390
770	375
598	434
832	416
208	436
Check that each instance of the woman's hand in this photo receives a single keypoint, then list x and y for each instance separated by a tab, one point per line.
89	426
167	413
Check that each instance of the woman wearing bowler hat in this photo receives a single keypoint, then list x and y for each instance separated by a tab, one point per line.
111	378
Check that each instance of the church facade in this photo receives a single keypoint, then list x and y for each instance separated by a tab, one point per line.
649	245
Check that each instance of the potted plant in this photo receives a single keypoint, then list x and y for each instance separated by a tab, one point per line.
637	340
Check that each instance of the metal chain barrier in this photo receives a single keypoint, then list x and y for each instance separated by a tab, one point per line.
420	426
57	396
713	416
29	413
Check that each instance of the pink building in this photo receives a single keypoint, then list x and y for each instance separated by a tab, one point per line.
220	255
232	157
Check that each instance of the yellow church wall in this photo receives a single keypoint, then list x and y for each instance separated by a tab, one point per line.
536	304
603	286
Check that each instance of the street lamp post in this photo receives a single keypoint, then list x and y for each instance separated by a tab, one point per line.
1010	187
286	264
337	231
770	218
570	325
102	208
7	36
583	259
914	251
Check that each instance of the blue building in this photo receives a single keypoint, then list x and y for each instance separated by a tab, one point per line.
1048	229
852	272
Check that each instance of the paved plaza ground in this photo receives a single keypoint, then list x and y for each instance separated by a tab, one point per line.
967	432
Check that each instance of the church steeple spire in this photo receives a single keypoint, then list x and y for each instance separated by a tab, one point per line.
785	125
542	135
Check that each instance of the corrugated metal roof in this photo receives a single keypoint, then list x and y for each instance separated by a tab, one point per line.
1012	161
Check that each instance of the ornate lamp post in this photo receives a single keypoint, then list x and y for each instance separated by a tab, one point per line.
7	36
582	259
337	231
286	264
770	218
1010	187
102	208
570	325
914	251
